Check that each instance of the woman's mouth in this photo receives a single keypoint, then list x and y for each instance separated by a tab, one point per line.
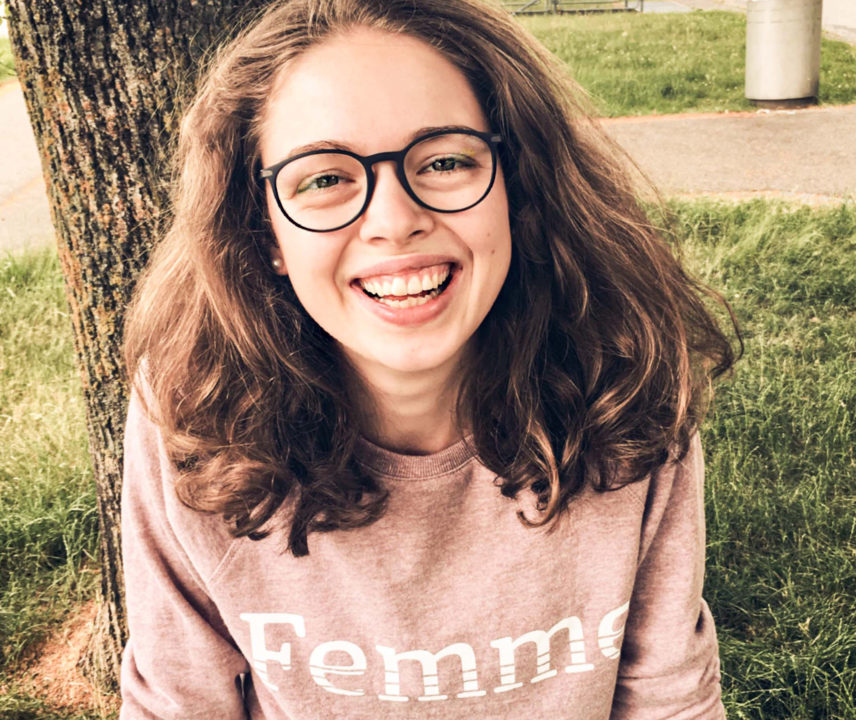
408	289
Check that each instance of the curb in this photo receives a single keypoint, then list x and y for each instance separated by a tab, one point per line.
673	117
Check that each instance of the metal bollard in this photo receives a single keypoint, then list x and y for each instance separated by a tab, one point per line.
783	51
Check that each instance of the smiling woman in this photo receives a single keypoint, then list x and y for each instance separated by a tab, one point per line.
408	311
390	216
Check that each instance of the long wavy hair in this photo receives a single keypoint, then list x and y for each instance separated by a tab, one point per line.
593	366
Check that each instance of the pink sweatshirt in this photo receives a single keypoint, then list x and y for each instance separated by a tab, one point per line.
447	607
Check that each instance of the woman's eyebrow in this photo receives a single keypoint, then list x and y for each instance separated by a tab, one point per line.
318	145
337	145
439	128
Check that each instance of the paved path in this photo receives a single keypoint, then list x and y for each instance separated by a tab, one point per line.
24	214
838	20
798	154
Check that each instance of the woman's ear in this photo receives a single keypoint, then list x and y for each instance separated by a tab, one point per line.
277	261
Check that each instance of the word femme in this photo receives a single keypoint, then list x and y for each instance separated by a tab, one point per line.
532	649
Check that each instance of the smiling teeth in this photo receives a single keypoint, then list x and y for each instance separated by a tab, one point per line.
410	301
405	290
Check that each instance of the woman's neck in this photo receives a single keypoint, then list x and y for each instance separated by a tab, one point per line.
412	414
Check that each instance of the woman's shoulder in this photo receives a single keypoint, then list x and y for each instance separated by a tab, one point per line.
150	499
674	495
653	490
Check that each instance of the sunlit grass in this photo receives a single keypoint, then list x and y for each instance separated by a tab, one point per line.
47	516
781	457
641	64
651	63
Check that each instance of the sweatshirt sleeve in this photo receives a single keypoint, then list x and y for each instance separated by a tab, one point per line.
670	658
180	661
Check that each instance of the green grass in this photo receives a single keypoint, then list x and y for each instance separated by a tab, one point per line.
20	706
48	524
635	64
780	448
7	65
642	64
781	457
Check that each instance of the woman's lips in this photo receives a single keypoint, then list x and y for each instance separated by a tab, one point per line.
407	288
410	297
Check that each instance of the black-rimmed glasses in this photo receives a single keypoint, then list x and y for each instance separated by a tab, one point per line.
446	171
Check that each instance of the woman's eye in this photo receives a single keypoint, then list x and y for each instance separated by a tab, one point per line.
449	163
444	164
318	182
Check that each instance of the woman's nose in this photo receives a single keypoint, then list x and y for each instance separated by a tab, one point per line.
392	214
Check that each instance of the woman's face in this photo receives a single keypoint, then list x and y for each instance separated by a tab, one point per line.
369	284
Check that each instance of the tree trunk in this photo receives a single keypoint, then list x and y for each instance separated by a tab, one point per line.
103	83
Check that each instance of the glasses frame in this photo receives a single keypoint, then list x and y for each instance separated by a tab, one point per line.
369	161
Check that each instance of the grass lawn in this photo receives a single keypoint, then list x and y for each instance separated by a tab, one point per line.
7	65
48	524
641	64
780	448
781	457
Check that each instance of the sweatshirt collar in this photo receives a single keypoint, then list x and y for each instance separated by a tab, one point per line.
414	467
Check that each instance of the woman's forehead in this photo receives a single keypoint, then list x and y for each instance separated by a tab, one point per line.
366	88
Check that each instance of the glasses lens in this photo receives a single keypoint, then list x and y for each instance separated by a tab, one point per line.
451	171
323	190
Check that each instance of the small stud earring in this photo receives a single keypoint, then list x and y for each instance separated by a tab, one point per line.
276	263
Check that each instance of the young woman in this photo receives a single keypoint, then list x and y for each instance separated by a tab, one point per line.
408	327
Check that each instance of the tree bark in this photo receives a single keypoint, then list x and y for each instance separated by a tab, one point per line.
104	83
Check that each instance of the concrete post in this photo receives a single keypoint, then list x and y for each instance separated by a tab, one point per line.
783	51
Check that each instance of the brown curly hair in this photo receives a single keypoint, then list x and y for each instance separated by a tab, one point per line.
593	365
